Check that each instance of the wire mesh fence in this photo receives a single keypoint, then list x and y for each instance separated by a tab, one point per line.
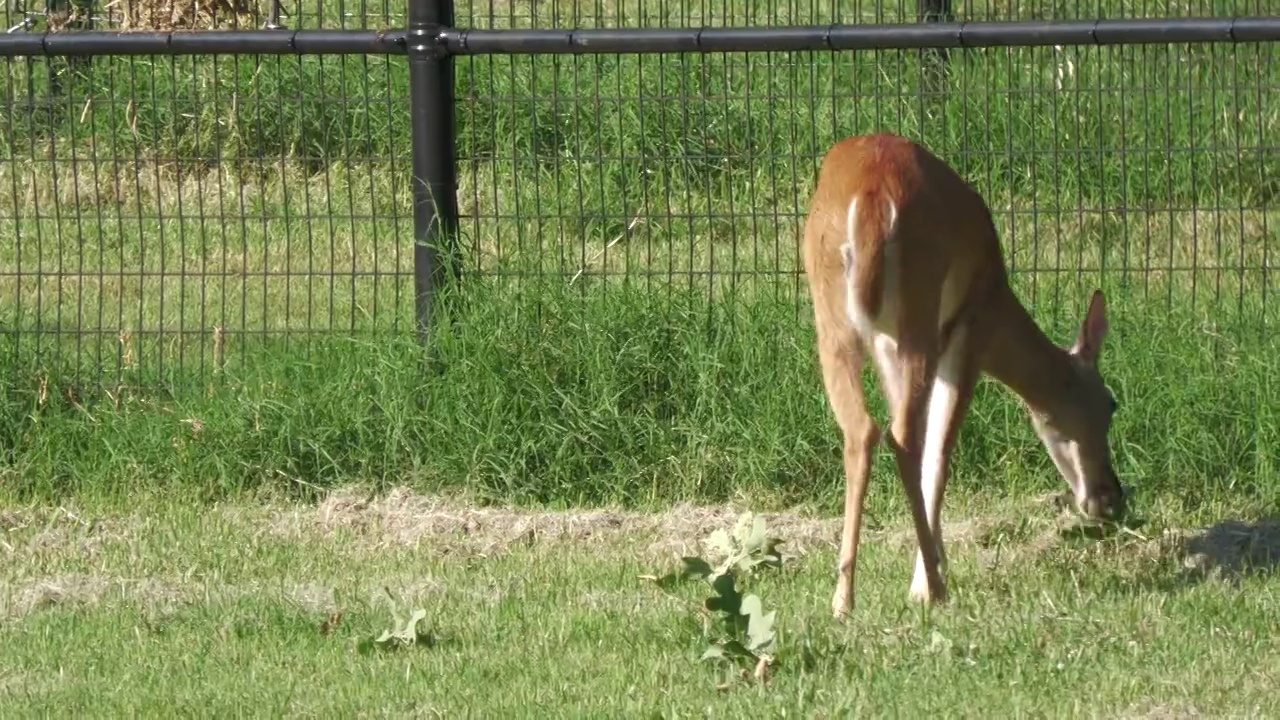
163	218
1148	168
160	212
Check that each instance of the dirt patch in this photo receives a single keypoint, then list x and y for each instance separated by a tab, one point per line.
313	598
18	599
50	592
162	597
21	683
352	522
12	520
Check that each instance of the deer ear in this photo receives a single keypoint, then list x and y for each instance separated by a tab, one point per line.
1093	330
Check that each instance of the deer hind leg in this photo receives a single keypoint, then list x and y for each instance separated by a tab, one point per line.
886	354
842	356
917	367
952	388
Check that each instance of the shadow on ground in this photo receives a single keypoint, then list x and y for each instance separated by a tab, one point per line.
1233	549
1229	551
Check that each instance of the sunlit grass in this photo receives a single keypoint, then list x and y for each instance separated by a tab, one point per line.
166	606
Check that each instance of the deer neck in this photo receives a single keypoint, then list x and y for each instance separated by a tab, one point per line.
1023	358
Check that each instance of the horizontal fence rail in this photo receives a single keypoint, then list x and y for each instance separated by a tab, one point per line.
861	37
648	40
205	42
20	15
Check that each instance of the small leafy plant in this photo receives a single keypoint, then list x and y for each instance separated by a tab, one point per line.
747	638
403	634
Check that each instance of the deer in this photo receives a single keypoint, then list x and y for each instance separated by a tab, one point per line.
903	263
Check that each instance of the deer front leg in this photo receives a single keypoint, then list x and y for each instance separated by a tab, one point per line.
957	374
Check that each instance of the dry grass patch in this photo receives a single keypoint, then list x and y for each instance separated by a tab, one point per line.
59	556
31	533
403	518
447	525
144	15
18	599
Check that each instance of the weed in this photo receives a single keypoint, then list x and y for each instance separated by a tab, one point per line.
404	633
746	636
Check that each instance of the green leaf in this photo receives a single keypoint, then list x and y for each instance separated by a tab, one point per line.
719	542
728	650
399	636
769	553
664	581
939	642
760	632
713	652
737	651
751	538
410	631
690	567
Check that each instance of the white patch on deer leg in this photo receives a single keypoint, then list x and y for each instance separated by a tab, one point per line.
851	308
885	351
849	257
944	397
891	273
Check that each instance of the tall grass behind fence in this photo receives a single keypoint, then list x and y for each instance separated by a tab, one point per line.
631	324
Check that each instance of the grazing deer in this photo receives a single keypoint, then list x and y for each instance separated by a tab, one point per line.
903	261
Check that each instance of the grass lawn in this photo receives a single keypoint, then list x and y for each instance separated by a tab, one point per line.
206	303
165	606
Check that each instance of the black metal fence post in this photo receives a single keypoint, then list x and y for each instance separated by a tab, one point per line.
435	180
60	16
934	11
934	59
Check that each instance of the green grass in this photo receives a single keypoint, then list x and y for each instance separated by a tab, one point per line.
620	399
167	607
631	332
632	327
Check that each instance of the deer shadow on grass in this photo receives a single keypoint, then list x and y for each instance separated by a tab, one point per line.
1229	551
1234	549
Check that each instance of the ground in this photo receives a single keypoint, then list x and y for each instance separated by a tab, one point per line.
261	607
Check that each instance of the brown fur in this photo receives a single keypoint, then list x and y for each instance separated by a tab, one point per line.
943	229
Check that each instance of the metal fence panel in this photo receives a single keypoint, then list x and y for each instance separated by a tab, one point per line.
162	217
1151	168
